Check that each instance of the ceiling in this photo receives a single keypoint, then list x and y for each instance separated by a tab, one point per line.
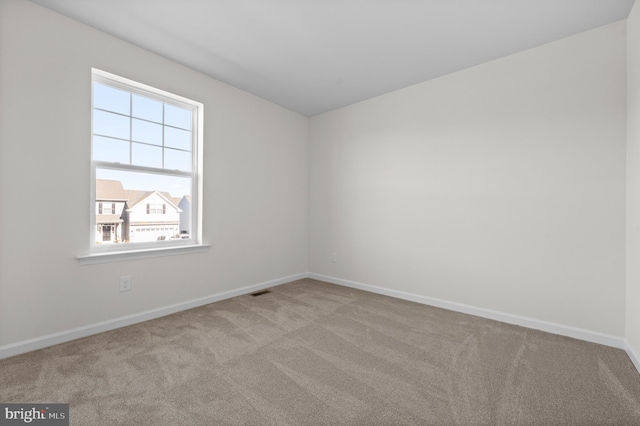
312	56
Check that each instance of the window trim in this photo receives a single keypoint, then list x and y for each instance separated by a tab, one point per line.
117	252
108	257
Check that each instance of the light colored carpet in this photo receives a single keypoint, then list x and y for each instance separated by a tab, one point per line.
312	353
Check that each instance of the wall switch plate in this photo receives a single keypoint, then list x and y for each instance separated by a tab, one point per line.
125	283
334	257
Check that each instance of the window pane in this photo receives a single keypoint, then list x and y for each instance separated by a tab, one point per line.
176	138
146	108
108	124
106	97
178	117
143	131
177	160
146	155
107	149
168	198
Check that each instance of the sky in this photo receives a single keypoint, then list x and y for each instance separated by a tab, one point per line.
176	186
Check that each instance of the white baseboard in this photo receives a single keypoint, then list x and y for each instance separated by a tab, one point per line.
77	333
633	354
563	330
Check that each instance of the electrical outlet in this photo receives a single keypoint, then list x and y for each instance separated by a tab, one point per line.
334	257
125	283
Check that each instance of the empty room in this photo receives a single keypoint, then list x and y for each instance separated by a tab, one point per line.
320	212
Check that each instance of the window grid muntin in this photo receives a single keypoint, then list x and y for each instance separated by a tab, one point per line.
141	92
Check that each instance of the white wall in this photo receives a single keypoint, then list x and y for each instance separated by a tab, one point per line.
501	186
633	181
255	182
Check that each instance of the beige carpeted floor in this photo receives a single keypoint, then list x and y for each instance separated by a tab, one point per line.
312	353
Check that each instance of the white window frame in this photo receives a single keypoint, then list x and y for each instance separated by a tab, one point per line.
100	253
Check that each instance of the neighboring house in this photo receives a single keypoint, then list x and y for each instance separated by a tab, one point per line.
110	203
153	217
135	216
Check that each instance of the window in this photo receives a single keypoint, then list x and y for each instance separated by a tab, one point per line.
146	147
156	208
106	208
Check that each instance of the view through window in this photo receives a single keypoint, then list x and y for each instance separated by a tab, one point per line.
144	165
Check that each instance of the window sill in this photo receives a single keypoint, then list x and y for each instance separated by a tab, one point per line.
96	258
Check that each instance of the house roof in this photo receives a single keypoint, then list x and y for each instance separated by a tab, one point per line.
112	190
134	197
108	218
174	200
143	195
